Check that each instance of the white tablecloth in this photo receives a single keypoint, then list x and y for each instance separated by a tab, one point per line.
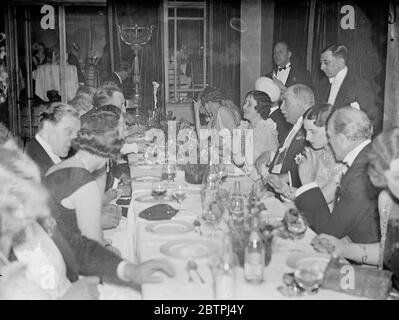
47	77
138	244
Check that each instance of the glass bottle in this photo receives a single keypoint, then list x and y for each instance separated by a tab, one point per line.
225	271
254	255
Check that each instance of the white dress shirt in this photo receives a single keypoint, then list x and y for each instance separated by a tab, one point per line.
348	160
282	75
56	159
336	83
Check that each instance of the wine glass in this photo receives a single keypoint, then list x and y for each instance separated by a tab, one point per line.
168	172
180	193
309	277
158	190
296	225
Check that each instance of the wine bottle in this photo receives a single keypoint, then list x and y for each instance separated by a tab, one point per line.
254	255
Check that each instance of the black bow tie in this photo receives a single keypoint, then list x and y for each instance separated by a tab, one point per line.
282	68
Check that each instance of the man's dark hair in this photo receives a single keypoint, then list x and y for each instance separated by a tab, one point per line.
337	50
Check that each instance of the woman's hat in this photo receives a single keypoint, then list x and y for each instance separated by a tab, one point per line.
269	87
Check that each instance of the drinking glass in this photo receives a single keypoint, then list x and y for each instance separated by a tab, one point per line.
308	277
158	190
180	193
168	172
296	225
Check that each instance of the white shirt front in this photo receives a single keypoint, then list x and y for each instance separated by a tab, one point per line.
282	75
56	159
336	83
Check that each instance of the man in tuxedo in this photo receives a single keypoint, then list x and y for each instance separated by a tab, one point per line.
355	214
296	100
273	91
342	87
285	73
59	125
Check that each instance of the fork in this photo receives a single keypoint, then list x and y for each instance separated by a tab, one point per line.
190	278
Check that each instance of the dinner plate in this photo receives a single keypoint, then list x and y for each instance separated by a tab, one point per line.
170	227
308	259
145	178
189	248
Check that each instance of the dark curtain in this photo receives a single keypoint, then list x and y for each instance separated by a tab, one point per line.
225	47
366	43
143	13
291	22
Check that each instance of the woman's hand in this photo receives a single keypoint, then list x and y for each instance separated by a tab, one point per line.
109	195
308	166
144	272
83	289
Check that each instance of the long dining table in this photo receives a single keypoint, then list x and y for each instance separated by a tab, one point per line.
138	241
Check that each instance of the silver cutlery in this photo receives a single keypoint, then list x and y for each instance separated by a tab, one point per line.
192	265
190	278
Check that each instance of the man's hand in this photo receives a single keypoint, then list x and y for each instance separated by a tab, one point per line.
262	161
111	215
83	289
144	272
279	84
308	166
328	244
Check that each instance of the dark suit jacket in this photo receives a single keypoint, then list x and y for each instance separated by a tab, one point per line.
88	257
353	89
283	127
355	213
297	75
36	152
297	146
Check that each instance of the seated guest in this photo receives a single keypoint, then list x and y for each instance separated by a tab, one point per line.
59	124
383	172
72	181
25	247
355	213
329	172
86	90
296	100
82	103
256	110
109	94
272	90
222	113
26	201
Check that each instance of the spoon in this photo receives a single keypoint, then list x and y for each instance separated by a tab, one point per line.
192	265
197	225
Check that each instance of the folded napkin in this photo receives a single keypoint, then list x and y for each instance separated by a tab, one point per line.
158	212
